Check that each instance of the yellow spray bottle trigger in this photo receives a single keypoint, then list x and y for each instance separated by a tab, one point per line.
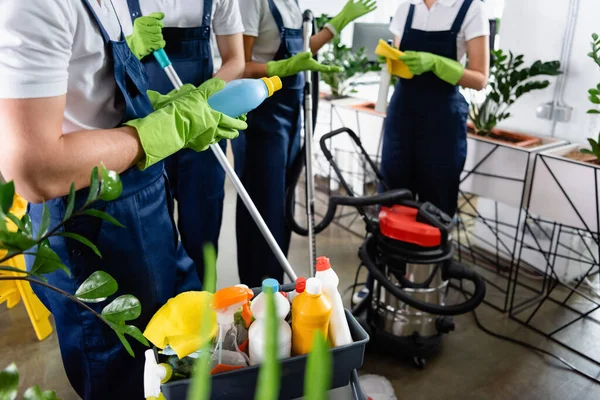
395	66
273	84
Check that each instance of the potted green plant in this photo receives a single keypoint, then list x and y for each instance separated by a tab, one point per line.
565	186
354	64
95	289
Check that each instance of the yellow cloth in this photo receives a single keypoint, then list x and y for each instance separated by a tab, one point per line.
12	292
395	66
178	323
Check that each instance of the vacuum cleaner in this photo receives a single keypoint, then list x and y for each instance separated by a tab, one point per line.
408	252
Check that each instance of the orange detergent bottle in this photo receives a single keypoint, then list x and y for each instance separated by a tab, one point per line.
311	311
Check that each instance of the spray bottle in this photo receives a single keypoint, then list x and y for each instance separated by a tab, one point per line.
154	375
226	355
243	95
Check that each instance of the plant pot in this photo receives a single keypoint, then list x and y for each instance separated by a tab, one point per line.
566	190
502	171
367	107
506	137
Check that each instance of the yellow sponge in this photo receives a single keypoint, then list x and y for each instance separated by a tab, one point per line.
395	66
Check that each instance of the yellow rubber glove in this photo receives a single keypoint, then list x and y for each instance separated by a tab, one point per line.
299	63
444	68
147	35
186	122
353	9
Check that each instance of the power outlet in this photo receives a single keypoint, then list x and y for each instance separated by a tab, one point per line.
558	113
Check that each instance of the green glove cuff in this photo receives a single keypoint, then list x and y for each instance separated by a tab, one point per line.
338	23
276	68
448	70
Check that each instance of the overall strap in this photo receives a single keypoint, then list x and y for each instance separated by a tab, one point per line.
460	18
276	16
409	18
206	17
105	34
134	9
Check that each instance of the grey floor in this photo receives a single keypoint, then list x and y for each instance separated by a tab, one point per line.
471	364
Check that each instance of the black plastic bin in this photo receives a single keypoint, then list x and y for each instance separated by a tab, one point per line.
241	384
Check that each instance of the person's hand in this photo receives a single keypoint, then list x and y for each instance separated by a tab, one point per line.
187	121
444	68
161	100
147	35
299	63
353	9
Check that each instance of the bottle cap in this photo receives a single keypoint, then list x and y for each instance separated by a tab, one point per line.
300	284
323	264
273	84
313	286
270	284
230	296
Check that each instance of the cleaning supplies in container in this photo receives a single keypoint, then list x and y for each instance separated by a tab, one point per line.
257	332
300	287
243	318
339	331
311	311
243	95
226	355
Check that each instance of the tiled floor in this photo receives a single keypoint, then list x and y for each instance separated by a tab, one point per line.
471	364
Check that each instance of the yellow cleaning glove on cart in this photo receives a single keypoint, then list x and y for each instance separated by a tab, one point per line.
177	323
395	66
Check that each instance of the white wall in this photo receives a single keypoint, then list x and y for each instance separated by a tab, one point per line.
536	28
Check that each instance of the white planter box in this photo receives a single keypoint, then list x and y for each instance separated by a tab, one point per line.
564	190
500	171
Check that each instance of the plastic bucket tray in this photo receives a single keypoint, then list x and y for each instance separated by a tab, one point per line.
241	384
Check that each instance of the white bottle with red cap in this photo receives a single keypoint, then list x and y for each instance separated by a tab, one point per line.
339	331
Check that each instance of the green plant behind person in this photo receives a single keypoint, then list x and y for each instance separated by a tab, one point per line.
594	96
95	289
353	63
509	80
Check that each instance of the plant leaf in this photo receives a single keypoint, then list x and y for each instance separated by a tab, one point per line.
593	111
35	393
70	203
102	215
81	240
16	221
97	287
594	36
16	241
7	194
210	268
8	268
130	330
317	379
27	225
94	186
9	382
111	187
586	151
125	343
270	371
47	261
45	222
123	308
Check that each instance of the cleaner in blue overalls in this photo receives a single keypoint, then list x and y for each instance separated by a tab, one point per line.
197	180
273	44
72	95
424	145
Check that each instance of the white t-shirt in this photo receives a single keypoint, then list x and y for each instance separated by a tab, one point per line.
52	47
259	22
440	17
226	18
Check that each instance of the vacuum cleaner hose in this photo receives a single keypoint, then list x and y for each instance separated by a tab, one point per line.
453	271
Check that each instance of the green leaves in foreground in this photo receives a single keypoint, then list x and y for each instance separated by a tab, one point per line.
317	379
9	384
98	287
270	371
200	386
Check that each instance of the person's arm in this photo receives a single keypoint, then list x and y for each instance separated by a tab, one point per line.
478	69
43	162
318	40
231	48
252	69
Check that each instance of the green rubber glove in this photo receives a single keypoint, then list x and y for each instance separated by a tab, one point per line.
160	100
299	63
353	9
185	122
147	35
444	68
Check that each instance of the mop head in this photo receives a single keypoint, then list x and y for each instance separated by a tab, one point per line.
177	323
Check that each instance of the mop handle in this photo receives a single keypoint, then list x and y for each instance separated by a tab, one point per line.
165	63
308	139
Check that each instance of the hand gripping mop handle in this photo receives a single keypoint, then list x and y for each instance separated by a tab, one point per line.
308	138
165	63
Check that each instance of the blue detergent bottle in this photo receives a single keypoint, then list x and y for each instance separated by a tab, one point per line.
241	96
